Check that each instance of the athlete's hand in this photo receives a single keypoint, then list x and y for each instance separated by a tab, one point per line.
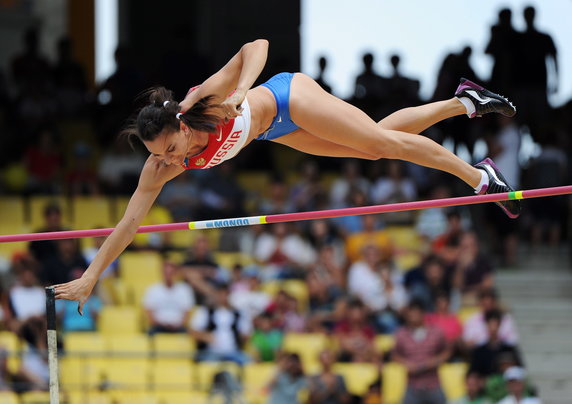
78	289
231	107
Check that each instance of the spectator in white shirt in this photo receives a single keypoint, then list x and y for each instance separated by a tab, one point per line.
515	383
27	299
168	303
475	329
220	330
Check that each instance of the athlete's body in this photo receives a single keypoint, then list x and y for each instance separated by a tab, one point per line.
291	109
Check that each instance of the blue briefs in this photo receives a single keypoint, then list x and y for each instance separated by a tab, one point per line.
282	123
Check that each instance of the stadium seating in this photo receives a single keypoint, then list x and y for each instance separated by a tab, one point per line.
308	346
173	346
8	397
172	375
452	376
394	378
119	320
358	376
9	341
91	213
205	372
12	212
256	377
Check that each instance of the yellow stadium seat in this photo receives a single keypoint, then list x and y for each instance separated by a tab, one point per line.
135	346
256	377
394	376
384	343
307	345
119	320
88	397
79	373
141	267
36	205
296	288
9	341
127	374
156	215
7	250
176	397
85	342
358	376
229	259
12	211
8	397
205	372
452	376
467	312
172	375
132	397
91	212
36	397
173	346
118	207
255	182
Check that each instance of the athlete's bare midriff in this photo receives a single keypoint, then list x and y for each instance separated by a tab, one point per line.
262	110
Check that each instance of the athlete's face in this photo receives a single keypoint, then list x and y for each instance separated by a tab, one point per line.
171	147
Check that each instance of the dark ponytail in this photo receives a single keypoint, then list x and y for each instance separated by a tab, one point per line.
160	115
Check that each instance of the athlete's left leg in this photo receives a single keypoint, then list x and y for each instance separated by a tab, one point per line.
334	120
417	119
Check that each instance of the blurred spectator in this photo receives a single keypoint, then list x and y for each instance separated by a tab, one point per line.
31	69
119	168
515	382
200	270
266	340
308	193
179	196
394	187
323	64
421	349
370	89
369	234
70	81
425	282
323	233
220	195
431	223
484	358
81	178
168	303
5	374
277	200
538	53
33	374
283	253
42	250
454	230
348	225
502	47
326	283
393	300
286	313
495	386
474	269
548	169
246	295
474	385
58	269
354	336
445	320
350	179
475	330
89	253
27	300
44	164
220	330
403	91
71	320
327	387
288	382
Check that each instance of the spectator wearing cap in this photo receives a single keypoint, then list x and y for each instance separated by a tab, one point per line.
515	378
220	330
495	385
475	331
168	303
421	349
484	358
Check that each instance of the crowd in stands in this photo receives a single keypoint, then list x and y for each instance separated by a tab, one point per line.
425	280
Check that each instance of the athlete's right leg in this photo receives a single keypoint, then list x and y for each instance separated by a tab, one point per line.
417	119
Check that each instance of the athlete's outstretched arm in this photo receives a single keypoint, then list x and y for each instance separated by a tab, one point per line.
238	75
150	184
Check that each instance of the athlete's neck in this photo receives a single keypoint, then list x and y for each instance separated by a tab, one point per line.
198	144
